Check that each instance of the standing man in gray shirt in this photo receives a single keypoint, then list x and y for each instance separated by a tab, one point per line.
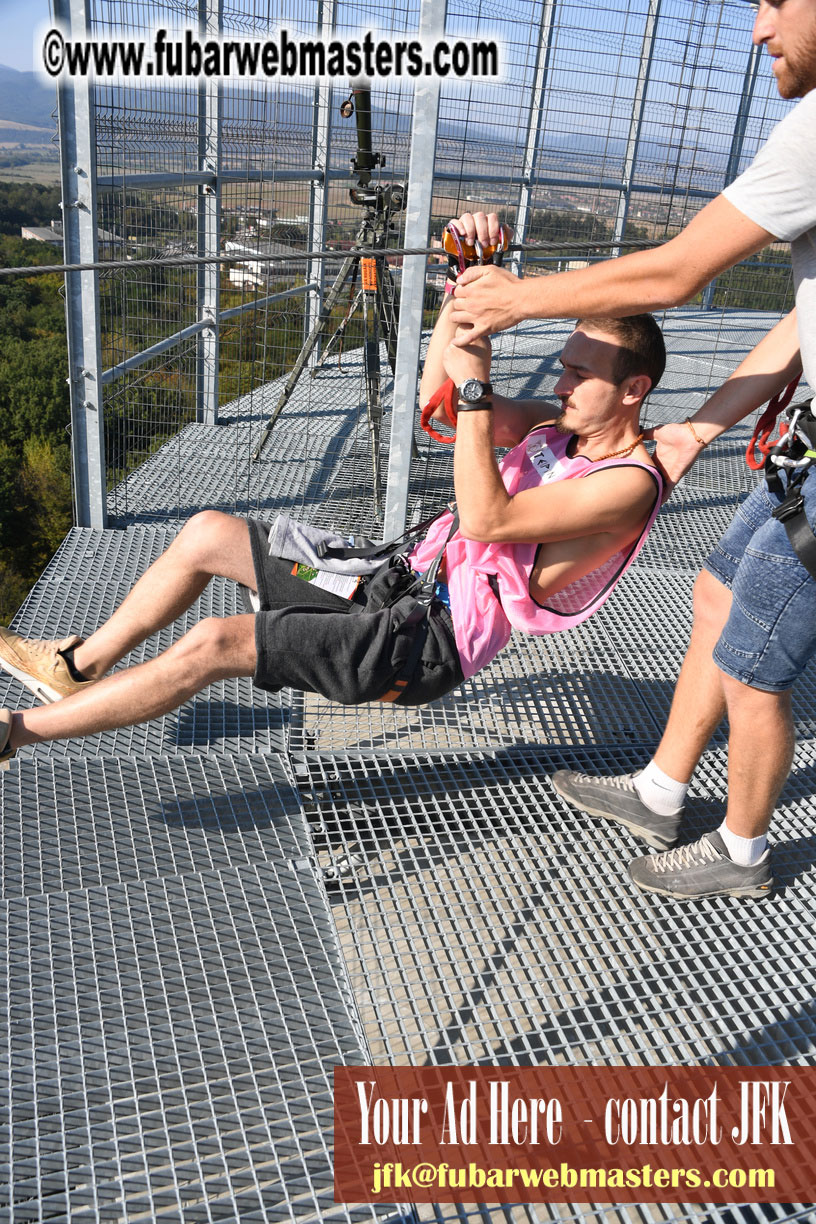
754	602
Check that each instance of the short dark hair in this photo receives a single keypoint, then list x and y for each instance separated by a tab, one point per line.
642	350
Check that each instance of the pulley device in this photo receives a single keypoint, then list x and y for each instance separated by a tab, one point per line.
461	254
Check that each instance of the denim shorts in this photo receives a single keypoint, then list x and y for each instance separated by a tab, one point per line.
770	634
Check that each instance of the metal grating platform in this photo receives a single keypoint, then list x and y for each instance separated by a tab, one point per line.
118	819
168	1049
547	952
205	913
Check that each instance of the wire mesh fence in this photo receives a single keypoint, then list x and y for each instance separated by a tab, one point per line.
611	126
471	910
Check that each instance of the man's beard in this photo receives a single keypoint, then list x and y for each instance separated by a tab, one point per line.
559	422
799	75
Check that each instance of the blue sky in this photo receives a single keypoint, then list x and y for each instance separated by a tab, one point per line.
18	18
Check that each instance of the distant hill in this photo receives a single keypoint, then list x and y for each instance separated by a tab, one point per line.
599	146
24	100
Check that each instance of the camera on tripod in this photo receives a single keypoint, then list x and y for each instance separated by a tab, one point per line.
388	199
369	280
381	200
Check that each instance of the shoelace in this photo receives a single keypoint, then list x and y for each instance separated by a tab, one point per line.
691	855
622	781
44	649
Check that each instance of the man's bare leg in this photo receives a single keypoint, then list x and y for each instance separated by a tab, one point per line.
698	704
760	755
210	544
734	859
650	804
214	649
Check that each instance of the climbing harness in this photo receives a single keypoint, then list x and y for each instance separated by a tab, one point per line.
396	585
794	452
760	438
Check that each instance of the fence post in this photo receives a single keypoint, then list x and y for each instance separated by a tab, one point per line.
208	226
636	121
75	106
412	297
737	142
319	194
534	119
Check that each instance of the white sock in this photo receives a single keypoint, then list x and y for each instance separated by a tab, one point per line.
743	850
659	792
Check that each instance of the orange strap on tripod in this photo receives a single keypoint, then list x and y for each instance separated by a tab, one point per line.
446	395
761	437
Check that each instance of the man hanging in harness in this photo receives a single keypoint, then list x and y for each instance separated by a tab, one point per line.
755	602
538	543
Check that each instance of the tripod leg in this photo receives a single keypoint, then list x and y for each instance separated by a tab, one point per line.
389	313
389	319
339	335
329	303
371	360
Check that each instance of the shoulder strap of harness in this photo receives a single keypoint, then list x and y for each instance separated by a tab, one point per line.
791	514
796	453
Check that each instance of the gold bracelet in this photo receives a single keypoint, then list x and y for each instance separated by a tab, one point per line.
694	434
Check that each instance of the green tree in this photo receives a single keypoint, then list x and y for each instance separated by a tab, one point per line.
45	484
27	204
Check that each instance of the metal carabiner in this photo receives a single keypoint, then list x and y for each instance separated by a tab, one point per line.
775	455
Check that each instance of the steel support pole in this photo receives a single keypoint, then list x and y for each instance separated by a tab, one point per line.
417	225
542	69
319	193
79	219
738	141
636	122
208	277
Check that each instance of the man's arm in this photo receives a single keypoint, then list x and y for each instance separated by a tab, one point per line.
512	418
765	372
610	504
490	299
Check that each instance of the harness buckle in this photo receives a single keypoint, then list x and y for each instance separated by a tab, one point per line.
789	508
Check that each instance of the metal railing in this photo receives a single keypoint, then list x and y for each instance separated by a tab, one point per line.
622	122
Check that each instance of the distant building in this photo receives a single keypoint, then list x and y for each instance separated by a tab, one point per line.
53	233
43	233
260	272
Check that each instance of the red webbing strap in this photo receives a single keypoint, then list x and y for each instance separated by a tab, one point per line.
446	396
761	436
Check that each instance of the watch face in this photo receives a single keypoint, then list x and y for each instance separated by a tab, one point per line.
471	390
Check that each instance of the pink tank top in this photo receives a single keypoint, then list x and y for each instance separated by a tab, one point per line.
482	622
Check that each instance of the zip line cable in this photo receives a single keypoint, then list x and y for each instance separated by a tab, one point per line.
194	261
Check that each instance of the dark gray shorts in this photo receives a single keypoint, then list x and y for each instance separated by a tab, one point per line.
313	640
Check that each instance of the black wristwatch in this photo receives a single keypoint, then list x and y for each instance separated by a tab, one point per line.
474	396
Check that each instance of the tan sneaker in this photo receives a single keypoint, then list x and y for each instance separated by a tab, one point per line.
39	665
6	753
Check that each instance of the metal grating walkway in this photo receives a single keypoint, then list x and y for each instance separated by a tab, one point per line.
204	914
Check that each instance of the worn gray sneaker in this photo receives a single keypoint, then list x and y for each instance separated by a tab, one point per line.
702	869
615	798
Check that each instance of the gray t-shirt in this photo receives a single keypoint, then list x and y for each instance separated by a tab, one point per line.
778	192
